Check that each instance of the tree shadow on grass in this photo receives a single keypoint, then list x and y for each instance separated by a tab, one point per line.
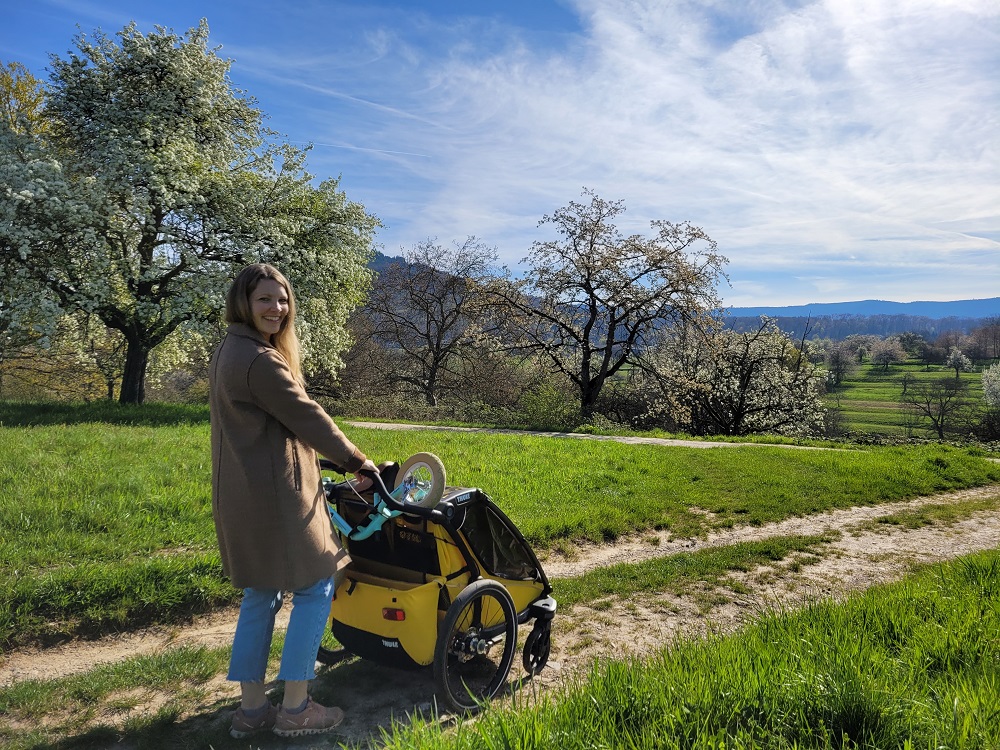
34	414
165	731
373	697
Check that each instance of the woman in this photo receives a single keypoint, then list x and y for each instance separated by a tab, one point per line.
271	519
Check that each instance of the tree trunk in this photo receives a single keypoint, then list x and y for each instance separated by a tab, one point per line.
588	400
134	378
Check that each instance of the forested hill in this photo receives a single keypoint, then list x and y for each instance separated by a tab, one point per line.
841	319
838	320
964	308
381	262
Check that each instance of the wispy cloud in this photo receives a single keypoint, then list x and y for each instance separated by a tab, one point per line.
849	130
834	148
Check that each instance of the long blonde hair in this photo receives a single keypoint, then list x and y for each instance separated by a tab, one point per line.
238	311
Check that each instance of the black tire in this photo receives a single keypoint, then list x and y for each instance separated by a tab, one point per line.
537	647
330	652
330	656
466	679
427	472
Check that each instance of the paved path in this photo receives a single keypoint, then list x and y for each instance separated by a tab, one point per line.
632	439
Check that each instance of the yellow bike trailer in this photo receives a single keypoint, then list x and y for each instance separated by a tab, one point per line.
439	576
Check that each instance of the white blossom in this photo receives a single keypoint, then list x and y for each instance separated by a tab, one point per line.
154	182
991	386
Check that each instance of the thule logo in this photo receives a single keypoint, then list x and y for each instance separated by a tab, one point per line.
390	644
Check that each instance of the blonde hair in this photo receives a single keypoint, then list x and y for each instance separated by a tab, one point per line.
238	311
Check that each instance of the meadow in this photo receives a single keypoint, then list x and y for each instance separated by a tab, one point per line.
105	525
869	400
108	525
911	666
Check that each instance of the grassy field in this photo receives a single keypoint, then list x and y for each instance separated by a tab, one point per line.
107	526
180	673
870	399
908	666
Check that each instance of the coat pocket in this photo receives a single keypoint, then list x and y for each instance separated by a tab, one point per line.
296	466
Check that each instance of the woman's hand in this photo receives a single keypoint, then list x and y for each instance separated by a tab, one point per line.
362	483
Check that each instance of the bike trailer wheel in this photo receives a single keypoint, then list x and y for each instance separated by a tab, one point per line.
537	646
475	646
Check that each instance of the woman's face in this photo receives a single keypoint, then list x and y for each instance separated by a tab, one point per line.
269	306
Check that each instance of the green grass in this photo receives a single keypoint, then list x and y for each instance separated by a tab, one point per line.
576	489
912	665
164	670
869	400
100	707
33	413
682	573
88	701
105	525
69	490
929	514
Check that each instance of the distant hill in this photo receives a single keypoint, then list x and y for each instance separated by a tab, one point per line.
966	308
838	320
381	262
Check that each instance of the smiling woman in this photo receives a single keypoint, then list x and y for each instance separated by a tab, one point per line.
261	298
270	512
269	305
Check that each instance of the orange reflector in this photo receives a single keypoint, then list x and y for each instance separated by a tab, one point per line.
390	613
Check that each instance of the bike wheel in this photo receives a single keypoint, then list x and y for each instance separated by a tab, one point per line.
537	646
330	652
423	477
475	646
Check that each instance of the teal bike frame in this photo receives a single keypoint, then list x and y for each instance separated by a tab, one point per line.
380	510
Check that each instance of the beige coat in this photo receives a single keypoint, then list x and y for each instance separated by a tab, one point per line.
270	513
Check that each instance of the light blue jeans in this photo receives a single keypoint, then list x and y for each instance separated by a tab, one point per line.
255	627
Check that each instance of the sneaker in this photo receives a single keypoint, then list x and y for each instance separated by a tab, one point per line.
313	719
244	726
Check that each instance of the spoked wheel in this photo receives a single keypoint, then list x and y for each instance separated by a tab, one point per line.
423	477
537	646
475	646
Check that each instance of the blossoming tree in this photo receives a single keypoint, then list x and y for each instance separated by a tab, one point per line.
146	180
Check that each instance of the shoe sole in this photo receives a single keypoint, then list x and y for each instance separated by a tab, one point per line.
304	732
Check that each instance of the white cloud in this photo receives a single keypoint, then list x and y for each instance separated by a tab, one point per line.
827	128
834	148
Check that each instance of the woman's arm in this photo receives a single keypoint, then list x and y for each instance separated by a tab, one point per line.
283	397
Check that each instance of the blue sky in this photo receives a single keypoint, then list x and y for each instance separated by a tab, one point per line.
836	150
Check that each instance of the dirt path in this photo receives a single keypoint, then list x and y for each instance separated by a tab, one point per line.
859	558
630	439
